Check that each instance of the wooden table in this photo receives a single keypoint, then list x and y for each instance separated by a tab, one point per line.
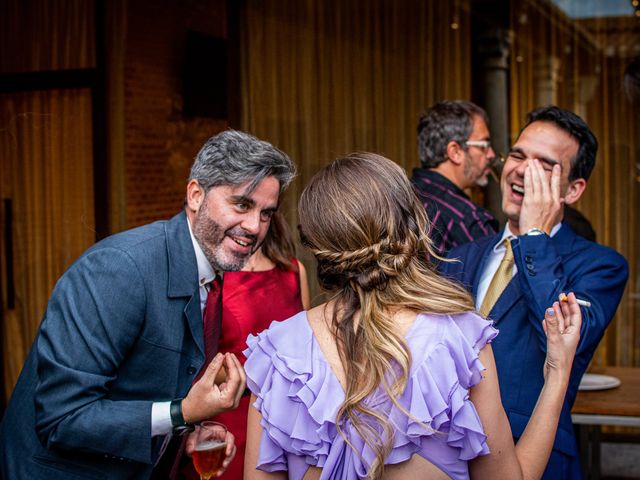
594	408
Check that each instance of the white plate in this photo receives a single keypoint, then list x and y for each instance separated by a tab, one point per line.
594	381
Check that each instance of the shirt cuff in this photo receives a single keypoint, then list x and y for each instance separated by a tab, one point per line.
160	418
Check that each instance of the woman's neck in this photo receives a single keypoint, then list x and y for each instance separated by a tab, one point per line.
258	262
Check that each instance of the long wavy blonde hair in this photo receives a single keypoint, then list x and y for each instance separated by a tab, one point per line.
368	231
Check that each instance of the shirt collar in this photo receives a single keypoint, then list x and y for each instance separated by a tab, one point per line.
206	273
437	177
506	233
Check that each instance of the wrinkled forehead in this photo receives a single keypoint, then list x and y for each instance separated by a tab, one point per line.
266	194
544	140
248	186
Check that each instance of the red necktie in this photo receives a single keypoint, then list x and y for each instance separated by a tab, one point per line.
211	319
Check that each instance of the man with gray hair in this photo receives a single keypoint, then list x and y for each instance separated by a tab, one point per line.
126	354
455	151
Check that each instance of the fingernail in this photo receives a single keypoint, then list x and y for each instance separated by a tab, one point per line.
550	312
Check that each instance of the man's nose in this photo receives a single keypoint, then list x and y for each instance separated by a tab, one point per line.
522	166
491	153
251	222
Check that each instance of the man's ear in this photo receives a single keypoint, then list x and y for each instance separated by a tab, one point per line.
195	196
455	152
574	191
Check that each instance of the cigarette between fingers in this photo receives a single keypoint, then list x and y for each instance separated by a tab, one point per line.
579	301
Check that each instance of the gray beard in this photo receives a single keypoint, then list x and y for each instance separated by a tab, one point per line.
481	181
210	236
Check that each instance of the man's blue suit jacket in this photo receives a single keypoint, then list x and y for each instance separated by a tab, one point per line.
546	266
123	328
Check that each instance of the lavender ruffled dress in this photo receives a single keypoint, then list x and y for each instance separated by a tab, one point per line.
298	396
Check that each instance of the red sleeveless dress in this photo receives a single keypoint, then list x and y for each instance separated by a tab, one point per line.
250	302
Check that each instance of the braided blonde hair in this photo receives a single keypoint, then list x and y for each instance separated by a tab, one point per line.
367	229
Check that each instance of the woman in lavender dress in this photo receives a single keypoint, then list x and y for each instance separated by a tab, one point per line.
394	376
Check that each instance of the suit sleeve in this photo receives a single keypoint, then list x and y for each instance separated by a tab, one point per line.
93	319
593	272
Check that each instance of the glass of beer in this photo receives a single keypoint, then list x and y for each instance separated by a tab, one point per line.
210	449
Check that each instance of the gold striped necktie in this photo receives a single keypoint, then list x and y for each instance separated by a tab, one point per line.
500	280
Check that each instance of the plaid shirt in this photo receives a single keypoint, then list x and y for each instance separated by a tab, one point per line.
454	218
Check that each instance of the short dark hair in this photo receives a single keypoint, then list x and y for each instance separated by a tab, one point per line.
584	161
450	120
233	157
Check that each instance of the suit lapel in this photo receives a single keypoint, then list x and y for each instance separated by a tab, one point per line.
511	293
193	315
509	297
183	274
482	254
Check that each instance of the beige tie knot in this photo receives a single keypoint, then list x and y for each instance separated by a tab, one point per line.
500	280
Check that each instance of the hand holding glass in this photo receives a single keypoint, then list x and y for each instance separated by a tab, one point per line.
209	453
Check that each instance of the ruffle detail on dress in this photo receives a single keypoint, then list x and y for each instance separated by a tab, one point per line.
287	388
299	398
437	393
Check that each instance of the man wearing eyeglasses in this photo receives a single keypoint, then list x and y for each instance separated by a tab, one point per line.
516	273
455	152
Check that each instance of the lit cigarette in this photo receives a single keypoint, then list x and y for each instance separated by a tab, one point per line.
584	303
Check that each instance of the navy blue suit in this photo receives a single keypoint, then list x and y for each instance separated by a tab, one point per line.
123	328
546	267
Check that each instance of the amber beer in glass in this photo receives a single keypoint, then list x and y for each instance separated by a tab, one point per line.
210	449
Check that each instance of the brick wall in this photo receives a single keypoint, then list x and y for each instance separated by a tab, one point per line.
160	143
